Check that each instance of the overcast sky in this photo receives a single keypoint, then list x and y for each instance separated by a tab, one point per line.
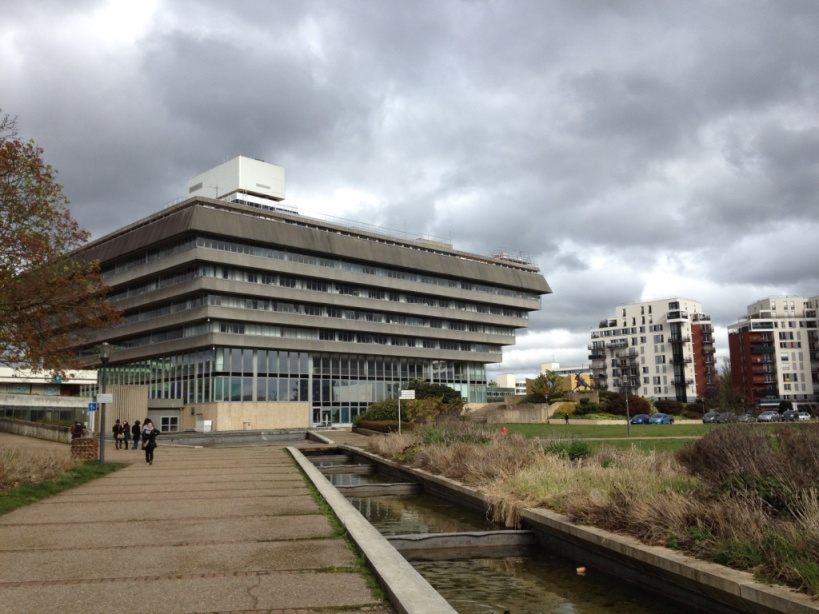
632	150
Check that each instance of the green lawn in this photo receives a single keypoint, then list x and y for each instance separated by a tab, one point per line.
26	494
614	431
646	437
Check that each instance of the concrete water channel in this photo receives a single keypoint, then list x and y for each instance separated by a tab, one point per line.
430	543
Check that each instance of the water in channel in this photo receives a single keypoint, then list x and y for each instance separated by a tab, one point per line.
535	584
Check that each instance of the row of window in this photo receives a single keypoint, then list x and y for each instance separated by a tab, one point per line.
324	311
310	334
289	256
285	281
245	375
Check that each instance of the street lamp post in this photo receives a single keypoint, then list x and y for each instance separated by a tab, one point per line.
628	413
105	354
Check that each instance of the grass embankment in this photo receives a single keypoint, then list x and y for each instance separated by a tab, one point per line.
30	476
645	437
741	495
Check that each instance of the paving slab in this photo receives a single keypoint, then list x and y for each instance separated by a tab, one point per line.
207	593
200	531
158	509
170	493
179	532
120	561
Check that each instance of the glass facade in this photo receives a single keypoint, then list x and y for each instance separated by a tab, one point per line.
338	387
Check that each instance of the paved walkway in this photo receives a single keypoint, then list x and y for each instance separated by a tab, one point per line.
201	530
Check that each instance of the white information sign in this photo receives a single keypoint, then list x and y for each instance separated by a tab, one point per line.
105	398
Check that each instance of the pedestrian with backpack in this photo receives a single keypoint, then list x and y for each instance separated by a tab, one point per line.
149	434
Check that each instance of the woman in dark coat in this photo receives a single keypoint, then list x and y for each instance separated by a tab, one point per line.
149	434
136	431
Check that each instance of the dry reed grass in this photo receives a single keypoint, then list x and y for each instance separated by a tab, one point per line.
737	496
23	467
393	445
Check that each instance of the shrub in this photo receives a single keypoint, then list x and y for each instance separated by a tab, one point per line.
674	408
382	410
616	404
585	407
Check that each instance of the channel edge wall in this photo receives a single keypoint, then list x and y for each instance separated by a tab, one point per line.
708	586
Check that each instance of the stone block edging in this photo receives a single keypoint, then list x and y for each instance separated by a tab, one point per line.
408	592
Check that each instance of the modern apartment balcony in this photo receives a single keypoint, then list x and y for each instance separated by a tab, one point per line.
708	348
763	349
617	343
597	354
760	369
684	361
764	360
598	365
679	338
762	325
682	382
700	317
760	338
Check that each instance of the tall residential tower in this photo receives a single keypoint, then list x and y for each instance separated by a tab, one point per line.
775	350
662	349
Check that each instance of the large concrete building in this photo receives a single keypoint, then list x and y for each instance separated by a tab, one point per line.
242	314
774	350
661	349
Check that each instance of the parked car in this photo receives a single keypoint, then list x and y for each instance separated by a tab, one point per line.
790	415
745	418
804	416
769	416
727	416
661	419
640	419
711	416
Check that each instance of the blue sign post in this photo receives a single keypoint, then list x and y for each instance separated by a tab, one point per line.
92	407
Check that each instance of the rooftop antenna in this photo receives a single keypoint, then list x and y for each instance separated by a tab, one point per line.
215	191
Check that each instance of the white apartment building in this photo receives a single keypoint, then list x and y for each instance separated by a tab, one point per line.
774	349
660	349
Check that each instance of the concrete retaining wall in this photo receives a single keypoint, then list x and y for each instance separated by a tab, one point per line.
708	586
49	432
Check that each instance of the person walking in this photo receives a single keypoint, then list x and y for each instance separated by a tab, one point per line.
119	438
126	431
136	430
149	434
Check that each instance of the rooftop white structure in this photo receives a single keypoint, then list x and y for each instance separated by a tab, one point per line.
244	180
